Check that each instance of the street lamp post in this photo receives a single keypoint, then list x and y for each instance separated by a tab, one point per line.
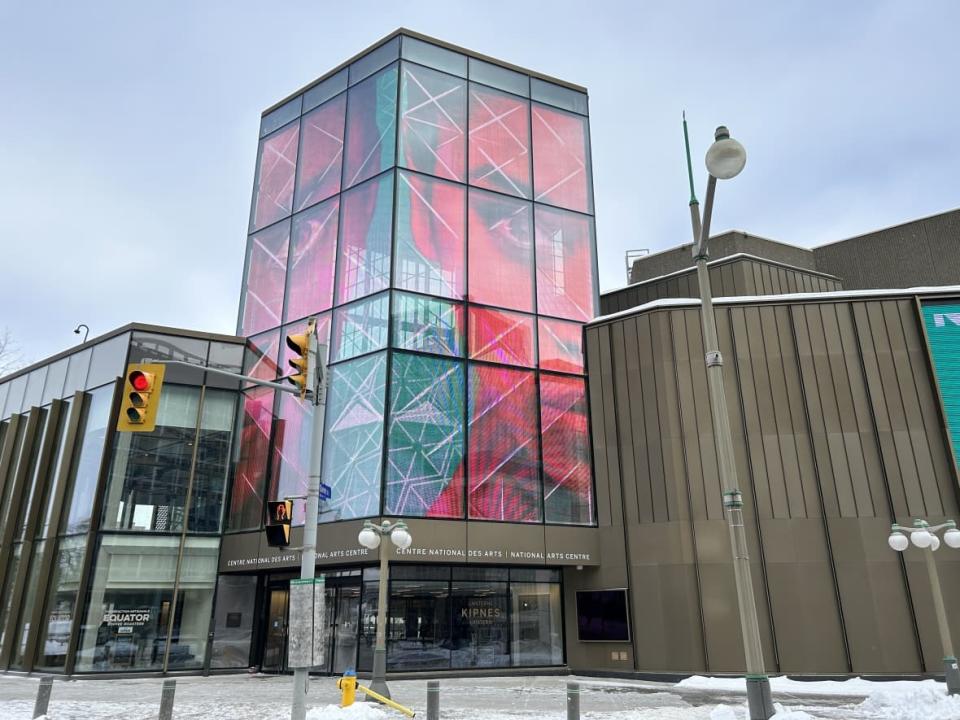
725	159
924	536
370	538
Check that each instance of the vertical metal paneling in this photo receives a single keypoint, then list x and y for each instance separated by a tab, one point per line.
624	397
604	444
669	432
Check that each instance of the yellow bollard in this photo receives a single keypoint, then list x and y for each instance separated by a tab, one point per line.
387	701
348	687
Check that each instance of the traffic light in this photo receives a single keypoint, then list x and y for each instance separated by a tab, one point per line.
141	397
279	515
303	378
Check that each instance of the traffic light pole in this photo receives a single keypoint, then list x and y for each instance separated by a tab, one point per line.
308	556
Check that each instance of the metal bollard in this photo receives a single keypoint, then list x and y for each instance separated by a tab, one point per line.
166	699
433	700
573	701
43	697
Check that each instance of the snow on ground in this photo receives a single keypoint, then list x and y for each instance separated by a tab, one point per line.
852	687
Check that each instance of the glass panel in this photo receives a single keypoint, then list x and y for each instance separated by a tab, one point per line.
55	470
371	127
130	601
313	253
427	325
26	606
344	632
7	604
281	116
53	389
419	572
266	274
233	621
87	470
368	625
246	497
424	459
499	141
145	346
276	166
501	337
34	391
499	77
479	573
77	372
431	226
150	472
567	479
225	356
34	481
502	445
260	356
109	361
363	265
4	390
360	328
566	284
558	96
15	395
212	465
374	60
481	627
61	603
354	438
191	623
501	251
561	346
538	575
418	628
433	121
537	628
325	90
560	152
290	470
434	56
321	153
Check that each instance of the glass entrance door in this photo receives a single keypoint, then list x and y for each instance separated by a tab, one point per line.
344	653
275	640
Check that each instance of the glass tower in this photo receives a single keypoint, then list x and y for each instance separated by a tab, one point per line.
434	211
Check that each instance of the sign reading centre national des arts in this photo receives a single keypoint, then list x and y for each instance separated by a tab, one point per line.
942	322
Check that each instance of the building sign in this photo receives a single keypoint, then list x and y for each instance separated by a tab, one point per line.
942	322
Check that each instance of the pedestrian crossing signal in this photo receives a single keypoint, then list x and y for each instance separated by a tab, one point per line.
279	517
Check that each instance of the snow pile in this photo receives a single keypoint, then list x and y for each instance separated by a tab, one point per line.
923	701
725	712
357	711
785	686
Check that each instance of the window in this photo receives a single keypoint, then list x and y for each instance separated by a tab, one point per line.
266	276
500	251
276	165
313	253
86	473
371	127
499	141
560	159
363	262
433	122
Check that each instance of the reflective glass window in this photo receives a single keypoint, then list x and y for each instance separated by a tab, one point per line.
77	371
260	356
276	167
501	337
558	96
560	159
150	472
427	324
34	585
502	446
290	469
431	231
94	431
566	284
246	497
4	390
7	604
34	391
130	601
567	481
366	217
323	91
281	116
425	451
537	624
321	153
433	121
56	470
109	361
194	604
434	56
47	427
147	346
233	621
212	466
313	254
500	251
15	395
53	388
374	60
419	626
371	127
266	275
225	356
353	446
60	607
499	77
481	624
561	346
499	141
360	328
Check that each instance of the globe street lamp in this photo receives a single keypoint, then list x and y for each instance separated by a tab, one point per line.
369	537
725	159
924	536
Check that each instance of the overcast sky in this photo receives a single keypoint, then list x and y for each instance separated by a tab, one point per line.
128	133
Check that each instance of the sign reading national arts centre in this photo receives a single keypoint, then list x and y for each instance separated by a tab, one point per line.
942	323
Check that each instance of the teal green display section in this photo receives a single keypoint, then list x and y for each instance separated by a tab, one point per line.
942	321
